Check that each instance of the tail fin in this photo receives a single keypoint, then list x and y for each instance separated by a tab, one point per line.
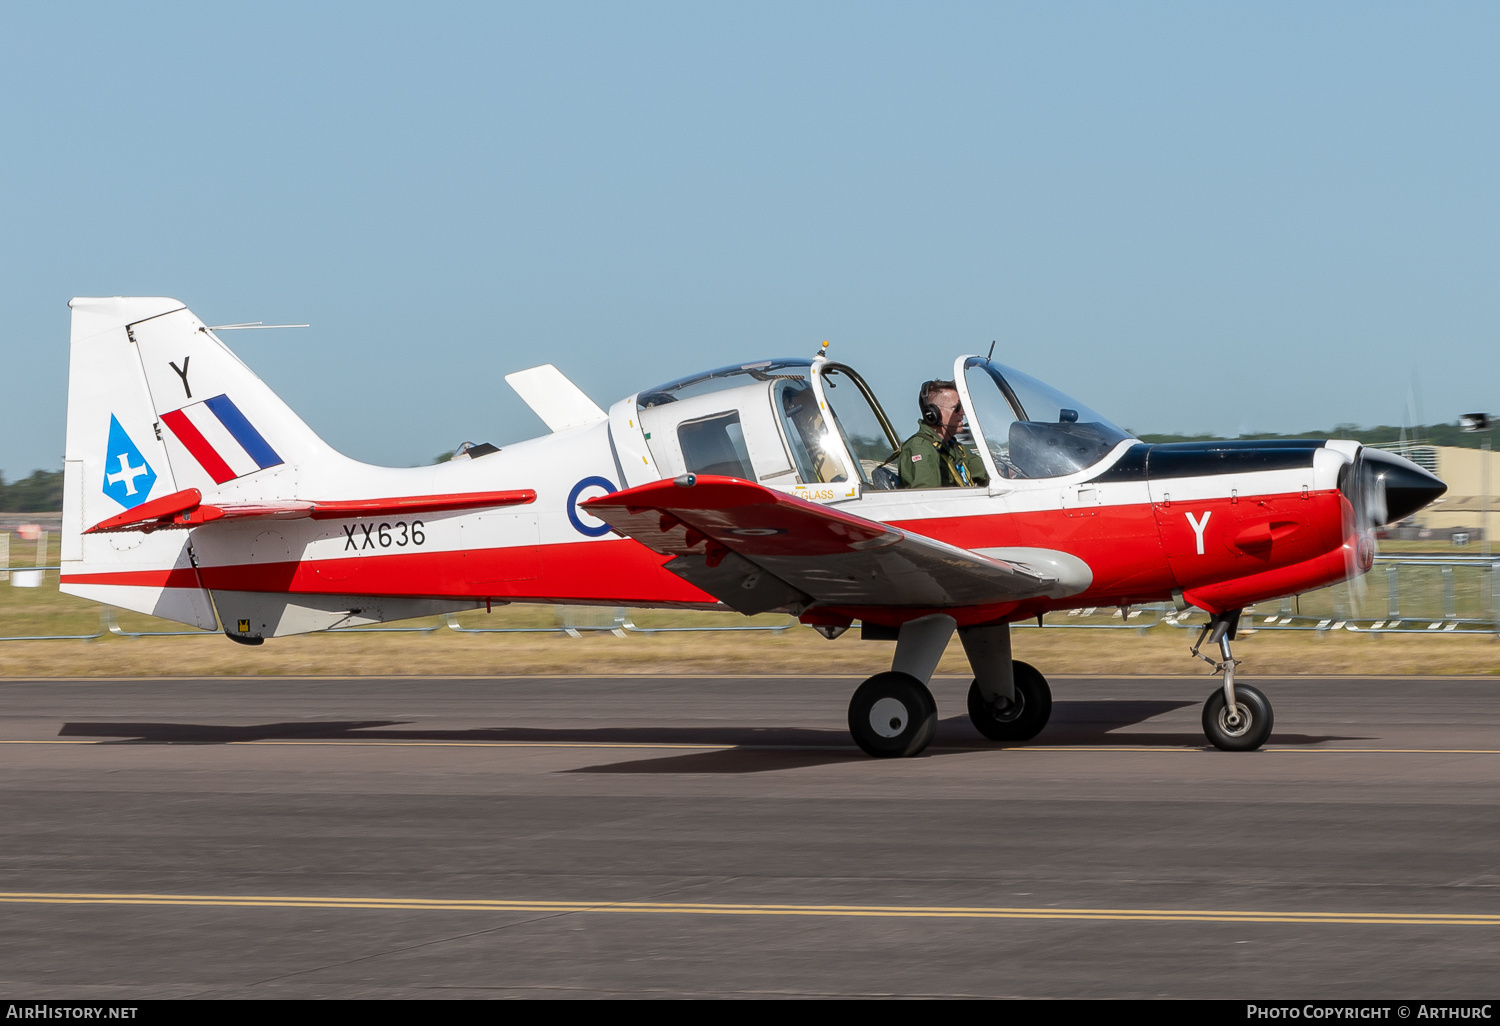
157	404
225	432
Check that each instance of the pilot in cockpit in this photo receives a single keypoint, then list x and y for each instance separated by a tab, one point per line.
933	457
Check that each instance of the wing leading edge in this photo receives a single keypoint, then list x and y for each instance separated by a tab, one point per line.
756	549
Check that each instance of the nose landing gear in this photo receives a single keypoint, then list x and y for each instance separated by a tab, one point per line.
1234	719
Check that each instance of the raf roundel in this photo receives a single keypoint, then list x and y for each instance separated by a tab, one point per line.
593	530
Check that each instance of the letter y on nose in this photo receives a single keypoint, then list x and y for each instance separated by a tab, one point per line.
1198	526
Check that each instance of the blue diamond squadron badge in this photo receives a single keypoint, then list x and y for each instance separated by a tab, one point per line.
127	476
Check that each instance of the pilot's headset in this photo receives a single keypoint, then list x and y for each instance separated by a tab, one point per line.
930	413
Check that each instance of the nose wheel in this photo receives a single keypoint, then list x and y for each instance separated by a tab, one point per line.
892	715
1235	718
1245	728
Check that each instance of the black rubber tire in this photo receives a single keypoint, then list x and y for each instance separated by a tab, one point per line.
1253	705
904	709
1021	721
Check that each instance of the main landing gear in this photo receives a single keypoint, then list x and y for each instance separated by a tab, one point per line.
1235	719
1020	718
893	713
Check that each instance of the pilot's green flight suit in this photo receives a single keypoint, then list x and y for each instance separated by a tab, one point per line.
926	461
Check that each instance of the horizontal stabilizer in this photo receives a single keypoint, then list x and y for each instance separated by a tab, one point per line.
186	509
551	396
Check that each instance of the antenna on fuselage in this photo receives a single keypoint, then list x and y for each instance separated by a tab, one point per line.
991	352
247	325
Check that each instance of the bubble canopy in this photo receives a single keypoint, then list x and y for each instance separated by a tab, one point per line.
724	377
1030	429
1027	428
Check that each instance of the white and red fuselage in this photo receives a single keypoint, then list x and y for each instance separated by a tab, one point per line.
192	490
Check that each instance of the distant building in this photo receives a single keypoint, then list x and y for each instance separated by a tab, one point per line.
1463	511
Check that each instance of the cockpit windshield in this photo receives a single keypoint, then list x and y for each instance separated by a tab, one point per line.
1030	428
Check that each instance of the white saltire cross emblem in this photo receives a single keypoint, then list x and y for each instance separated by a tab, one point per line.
127	474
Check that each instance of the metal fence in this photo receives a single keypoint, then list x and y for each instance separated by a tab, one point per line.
1437	595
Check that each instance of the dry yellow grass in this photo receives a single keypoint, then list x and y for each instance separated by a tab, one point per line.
1159	651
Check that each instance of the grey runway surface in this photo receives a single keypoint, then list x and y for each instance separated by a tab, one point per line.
721	836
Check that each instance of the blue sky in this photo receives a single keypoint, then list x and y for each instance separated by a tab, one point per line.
1201	217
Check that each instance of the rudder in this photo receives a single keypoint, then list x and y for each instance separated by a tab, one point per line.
225	432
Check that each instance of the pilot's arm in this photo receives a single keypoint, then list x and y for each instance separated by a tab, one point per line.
919	462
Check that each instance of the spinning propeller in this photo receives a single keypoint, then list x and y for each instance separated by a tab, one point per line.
1382	488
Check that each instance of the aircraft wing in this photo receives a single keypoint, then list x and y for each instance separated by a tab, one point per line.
187	509
756	549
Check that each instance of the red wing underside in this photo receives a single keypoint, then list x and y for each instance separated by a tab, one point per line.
756	549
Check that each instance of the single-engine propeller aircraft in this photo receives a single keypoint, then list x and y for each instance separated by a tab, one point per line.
194	493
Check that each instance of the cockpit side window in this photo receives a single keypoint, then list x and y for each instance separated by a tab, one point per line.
715	445
813	451
860	421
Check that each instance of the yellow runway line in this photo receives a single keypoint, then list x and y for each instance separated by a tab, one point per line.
1390	751
376	743
666	745
727	909
1206	750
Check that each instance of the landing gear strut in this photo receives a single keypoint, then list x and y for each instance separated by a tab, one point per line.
1008	701
1235	719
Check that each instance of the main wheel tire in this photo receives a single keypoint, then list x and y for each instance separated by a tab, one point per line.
892	715
1020	720
1255	720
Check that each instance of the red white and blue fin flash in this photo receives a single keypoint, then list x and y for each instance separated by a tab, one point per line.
221	439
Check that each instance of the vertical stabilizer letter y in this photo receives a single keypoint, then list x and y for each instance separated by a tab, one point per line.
182	374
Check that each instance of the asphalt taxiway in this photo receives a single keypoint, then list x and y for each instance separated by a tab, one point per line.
414	837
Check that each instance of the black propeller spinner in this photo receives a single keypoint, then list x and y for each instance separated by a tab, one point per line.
1384	488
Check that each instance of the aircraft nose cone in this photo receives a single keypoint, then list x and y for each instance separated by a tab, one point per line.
1406	487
